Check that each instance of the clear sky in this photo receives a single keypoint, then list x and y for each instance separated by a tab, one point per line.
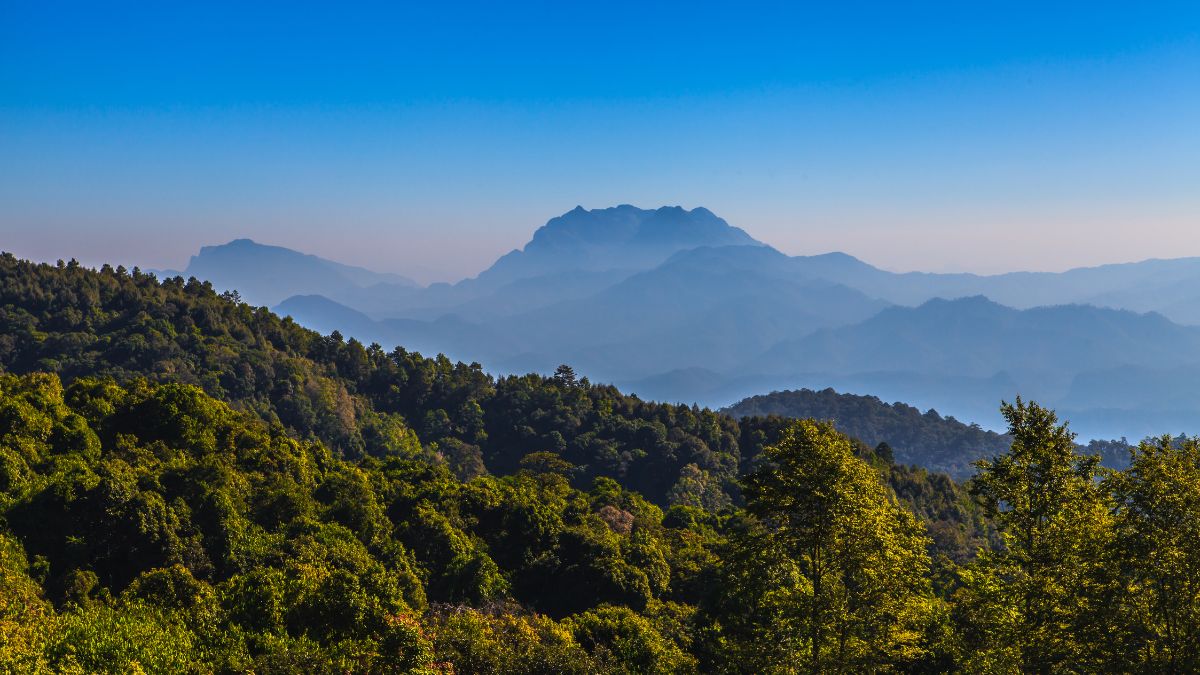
428	138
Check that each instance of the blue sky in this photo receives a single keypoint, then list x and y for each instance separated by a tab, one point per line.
430	138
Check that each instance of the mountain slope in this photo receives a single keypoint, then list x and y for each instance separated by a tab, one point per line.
926	439
265	275
1170	287
77	323
716	306
977	337
711	306
964	356
449	335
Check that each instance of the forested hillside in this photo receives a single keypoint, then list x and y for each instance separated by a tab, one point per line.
190	484
924	439
362	400
927	439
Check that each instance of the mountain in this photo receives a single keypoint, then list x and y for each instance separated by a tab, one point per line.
679	305
1169	287
265	275
949	353
705	305
710	306
926	439
618	238
449	335
977	337
572	256
619	292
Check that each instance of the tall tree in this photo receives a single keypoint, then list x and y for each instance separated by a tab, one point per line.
1158	526
1037	603
845	566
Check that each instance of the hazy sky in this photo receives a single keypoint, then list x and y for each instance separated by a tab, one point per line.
429	138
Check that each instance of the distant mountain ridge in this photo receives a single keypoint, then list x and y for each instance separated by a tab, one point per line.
1170	287
977	337
965	355
266	275
677	304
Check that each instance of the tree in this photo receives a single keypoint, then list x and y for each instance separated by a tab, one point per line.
696	487
1158	541
831	571
1036	603
565	375
623	641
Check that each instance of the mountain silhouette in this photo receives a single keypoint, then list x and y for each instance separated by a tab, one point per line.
679	305
265	275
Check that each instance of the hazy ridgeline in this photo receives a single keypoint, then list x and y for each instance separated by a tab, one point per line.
677	305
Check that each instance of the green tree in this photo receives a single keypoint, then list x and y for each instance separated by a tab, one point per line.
508	643
622	641
1158	542
830	575
1036	603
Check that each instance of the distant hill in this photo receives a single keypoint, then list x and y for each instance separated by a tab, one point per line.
683	312
930	440
265	275
1169	287
925	439
448	335
939	355
977	337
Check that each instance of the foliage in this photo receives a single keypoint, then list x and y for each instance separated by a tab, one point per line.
364	401
829	574
1036	603
1158	540
168	530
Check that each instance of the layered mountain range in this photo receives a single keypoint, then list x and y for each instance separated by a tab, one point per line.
678	305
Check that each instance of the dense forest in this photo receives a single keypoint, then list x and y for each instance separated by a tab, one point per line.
191	484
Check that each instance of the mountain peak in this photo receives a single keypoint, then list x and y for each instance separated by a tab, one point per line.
964	301
622	237
266	274
617	224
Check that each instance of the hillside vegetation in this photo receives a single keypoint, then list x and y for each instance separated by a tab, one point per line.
190	484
